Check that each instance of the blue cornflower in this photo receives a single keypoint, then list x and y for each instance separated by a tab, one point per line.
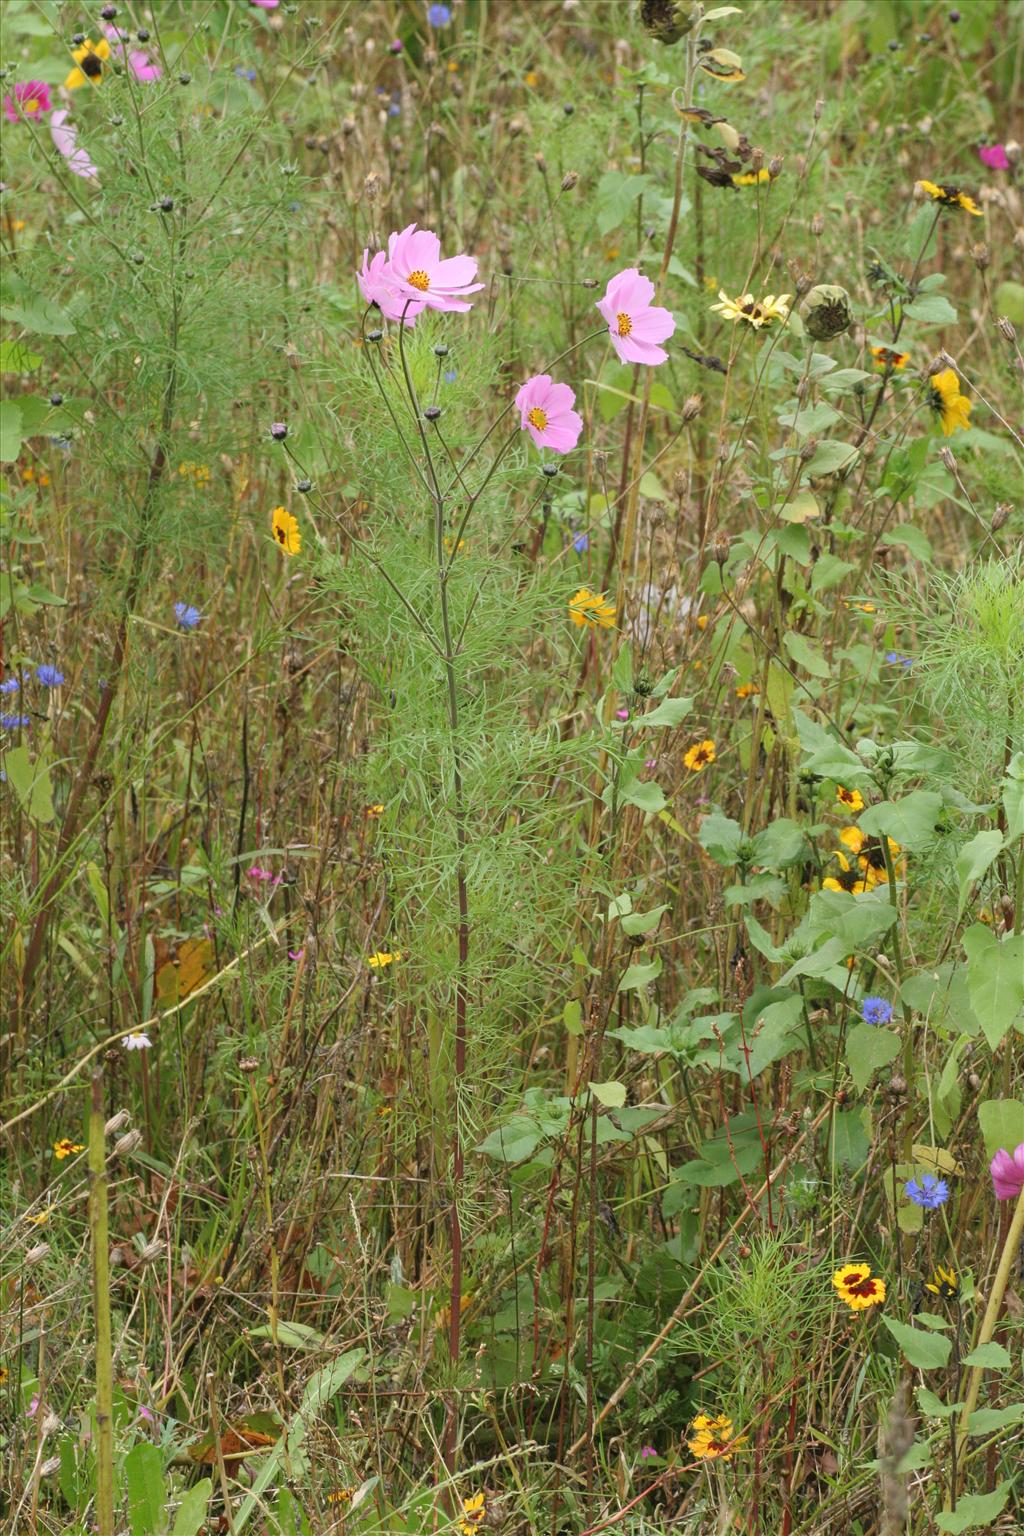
12	722
896	660
928	1192
187	616
581	543
876	1010
10	685
450	375
394	110
49	676
243	73
439	15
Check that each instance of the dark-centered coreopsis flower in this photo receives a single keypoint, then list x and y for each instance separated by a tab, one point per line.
950	196
91	60
591	610
713	1438
858	1287
756	312
285	529
944	1283
887	357
700	756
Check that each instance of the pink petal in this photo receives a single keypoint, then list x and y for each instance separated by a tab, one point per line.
560	398
652	325
563	435
633	351
65	137
456	272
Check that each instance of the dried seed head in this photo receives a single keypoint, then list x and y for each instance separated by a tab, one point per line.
818	225
756	158
38	1252
1007	328
947	457
819	107
248	1064
981	256
692	407
680	482
51	1423
721	544
516	127
540	163
373	185
569	180
1001	515
116	1123
49	1466
827	314
775	167
151	1252
127	1144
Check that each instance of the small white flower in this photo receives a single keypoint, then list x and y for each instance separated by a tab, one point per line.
138	1042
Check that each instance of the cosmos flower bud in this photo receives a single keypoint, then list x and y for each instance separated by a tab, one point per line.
569	180
827	312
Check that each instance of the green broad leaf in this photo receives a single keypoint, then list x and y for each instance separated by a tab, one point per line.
15	357
826	756
991	1355
777	1029
803	508
1010	301
652	488
829	572
1013	796
995	981
924	1351
844	379
611	1095
974	859
622	671
812	419
973	1510
780	844
619	906
931	309
830	456
911	538
10	431
668	712
646	795
984	1421
640	974
909	821
1002	1124
31	783
635	923
721	838
933	1406
869	1048
37	314
615	197
192	1509
806	654
147	1495
572	1017
290	1335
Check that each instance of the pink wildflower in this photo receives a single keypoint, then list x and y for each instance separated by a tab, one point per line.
377	286
30	98
994	156
65	141
417	271
546	412
1007	1170
140	63
634	324
266	5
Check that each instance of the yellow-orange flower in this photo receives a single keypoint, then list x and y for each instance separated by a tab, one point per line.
885	357
66	1148
713	1438
473	1510
858	1287
699	756
952	408
383	957
591	610
849	879
851	799
285	529
89	61
747	690
950	197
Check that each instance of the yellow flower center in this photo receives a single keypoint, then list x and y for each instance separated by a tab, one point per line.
537	418
32	105
623	325
419	279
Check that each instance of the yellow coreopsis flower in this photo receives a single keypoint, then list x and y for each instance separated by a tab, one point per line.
850	799
383	957
285	529
699	756
756	312
858	1287
591	610
89	61
473	1510
751	178
944	1283
950	197
713	1438
66	1148
849	879
885	357
953	408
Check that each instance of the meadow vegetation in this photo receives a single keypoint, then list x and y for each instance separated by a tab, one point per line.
512	756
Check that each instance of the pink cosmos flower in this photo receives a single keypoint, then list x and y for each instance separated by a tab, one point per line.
994	156
65	141
1007	1170
546	412
140	63
634	324
30	98
266	5
417	271
379	287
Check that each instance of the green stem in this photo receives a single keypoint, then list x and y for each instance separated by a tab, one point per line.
100	1244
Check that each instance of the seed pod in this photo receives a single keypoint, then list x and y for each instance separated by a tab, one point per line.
664	20
569	180
1001	515
692	407
827	312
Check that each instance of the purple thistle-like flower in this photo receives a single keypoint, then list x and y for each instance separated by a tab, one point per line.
49	676
927	1192
876	1010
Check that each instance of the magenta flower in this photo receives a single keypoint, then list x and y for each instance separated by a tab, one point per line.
994	156
140	63
417	271
377	286
1007	1170
65	141
265	5
634	324
546	412
30	98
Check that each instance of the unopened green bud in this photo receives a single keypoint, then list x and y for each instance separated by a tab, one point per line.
826	313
